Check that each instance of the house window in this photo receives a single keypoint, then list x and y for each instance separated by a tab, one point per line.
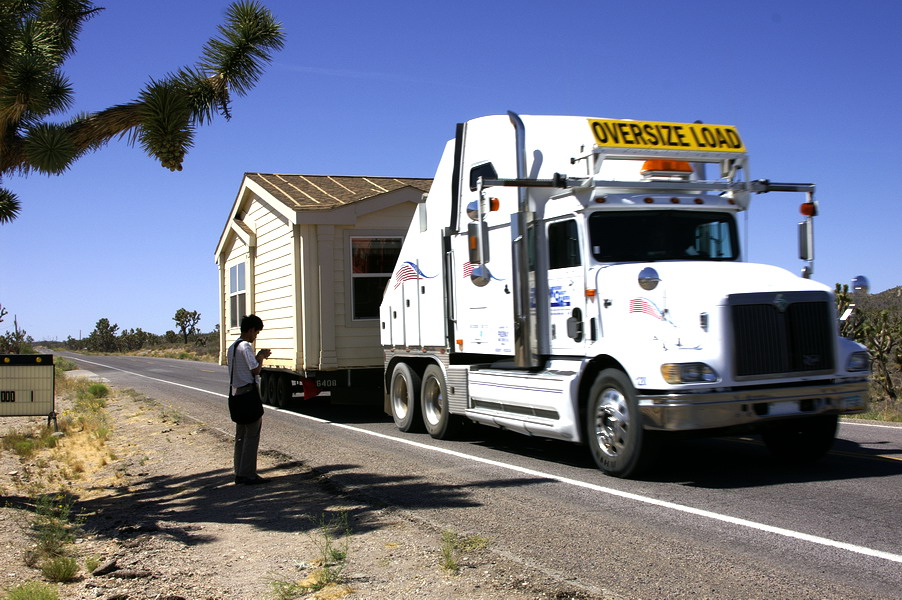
237	295
372	262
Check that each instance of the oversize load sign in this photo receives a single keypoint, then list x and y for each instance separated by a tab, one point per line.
26	385
652	135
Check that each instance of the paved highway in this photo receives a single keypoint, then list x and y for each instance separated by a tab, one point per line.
717	519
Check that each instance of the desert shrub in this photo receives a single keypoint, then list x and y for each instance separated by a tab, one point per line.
54	525
33	590
60	569
98	390
26	444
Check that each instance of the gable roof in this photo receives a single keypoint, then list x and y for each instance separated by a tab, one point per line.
315	199
326	192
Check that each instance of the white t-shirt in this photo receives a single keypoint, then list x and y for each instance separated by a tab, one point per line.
241	369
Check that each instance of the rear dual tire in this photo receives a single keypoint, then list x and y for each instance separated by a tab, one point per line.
404	395
437	417
421	403
275	389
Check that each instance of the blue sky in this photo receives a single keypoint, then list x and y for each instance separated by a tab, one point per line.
375	88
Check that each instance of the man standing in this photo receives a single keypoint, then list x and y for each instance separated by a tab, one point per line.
244	367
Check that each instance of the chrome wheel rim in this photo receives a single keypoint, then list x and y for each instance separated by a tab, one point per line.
400	397
432	400
612	422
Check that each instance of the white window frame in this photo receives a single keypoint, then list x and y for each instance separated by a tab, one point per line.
237	293
355	276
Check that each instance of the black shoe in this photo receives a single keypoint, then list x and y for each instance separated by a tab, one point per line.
253	480
240	480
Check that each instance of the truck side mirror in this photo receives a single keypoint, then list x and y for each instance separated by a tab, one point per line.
806	240
806	246
485	170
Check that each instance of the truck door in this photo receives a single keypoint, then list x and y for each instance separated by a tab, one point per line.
566	288
408	278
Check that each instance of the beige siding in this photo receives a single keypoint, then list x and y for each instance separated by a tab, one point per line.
273	281
357	342
392	218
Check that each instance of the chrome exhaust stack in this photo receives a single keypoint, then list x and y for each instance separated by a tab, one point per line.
525	346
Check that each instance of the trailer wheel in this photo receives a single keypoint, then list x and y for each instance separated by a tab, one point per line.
614	431
265	378
437	417
282	391
405	398
800	440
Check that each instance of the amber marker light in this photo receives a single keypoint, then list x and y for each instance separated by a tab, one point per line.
809	209
680	167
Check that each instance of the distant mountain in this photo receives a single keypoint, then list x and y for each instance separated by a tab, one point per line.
890	299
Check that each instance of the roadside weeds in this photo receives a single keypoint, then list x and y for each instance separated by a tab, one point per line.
142	502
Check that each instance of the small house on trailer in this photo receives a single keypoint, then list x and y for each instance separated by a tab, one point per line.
311	255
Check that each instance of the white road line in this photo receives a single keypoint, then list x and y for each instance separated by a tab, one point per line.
645	499
153	378
814	539
851	422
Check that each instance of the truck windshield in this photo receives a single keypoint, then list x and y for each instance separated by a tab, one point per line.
649	235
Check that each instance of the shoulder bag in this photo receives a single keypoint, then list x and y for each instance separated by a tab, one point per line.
246	406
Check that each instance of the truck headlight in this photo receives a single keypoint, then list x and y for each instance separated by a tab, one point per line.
675	373
859	361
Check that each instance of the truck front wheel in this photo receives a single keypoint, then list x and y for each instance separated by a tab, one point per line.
800	440
614	431
405	398
437	417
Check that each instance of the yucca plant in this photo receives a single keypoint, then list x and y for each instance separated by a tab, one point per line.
36	38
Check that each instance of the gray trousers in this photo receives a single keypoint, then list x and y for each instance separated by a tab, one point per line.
247	439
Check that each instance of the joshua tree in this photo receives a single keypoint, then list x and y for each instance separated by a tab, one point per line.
187	322
37	36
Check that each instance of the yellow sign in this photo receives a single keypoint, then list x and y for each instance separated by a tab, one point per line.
652	135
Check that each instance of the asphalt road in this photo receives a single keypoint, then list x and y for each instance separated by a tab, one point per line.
716	519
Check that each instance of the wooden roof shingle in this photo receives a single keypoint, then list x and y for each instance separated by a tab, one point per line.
325	192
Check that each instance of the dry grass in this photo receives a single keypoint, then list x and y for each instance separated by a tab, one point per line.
454	545
54	458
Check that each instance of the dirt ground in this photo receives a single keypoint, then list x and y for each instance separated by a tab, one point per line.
164	520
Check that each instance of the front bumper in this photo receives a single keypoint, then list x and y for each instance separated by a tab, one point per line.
709	410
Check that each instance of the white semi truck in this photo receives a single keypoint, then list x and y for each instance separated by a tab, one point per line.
612	305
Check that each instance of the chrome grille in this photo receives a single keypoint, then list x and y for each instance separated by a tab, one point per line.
777	333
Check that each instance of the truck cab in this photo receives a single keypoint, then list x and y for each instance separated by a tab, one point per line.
611	306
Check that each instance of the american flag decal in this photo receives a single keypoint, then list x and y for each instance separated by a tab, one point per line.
409	272
470	267
642	305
